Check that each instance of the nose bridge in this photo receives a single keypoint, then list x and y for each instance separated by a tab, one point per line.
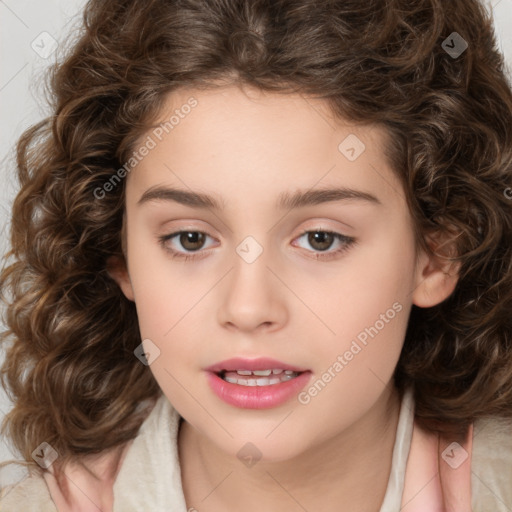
251	297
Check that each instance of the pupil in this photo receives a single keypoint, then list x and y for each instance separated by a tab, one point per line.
191	237
320	237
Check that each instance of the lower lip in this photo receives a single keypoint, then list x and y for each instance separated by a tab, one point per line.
257	397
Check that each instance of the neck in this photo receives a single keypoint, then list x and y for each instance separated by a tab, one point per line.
337	470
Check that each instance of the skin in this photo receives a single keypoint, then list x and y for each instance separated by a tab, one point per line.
246	148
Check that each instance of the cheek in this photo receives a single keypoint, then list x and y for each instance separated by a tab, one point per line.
367	306
369	312
167	304
173	307
155	299
163	291
369	281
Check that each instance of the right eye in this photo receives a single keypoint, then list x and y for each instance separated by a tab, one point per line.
191	241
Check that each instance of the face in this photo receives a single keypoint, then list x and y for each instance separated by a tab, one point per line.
323	283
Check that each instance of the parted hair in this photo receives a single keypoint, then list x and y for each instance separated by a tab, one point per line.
70	334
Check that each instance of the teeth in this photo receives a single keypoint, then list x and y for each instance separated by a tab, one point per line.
254	382
263	373
233	377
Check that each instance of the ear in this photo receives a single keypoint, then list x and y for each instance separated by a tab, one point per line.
117	269
436	274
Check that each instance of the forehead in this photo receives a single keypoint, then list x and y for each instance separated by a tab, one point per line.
220	139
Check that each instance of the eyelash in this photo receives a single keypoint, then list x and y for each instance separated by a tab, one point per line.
346	240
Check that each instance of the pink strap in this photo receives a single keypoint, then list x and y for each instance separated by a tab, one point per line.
438	473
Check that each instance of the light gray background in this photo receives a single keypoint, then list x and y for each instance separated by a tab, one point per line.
22	27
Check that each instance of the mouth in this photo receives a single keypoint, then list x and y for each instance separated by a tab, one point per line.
256	383
257	389
269	377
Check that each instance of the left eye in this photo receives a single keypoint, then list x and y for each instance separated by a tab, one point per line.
321	240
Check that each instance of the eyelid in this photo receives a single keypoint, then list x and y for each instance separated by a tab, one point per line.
167	237
347	241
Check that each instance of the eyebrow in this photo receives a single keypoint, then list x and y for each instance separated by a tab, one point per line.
298	199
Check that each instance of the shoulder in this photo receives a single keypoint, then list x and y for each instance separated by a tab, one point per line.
30	495
38	491
491	465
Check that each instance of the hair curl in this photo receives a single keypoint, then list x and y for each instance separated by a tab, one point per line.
70	369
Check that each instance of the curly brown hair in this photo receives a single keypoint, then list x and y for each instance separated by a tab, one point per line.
71	370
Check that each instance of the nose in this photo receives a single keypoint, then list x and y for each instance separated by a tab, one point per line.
252	297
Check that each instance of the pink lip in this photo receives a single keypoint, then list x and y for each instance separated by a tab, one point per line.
257	397
261	363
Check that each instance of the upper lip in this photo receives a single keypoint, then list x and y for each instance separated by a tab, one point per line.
260	363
